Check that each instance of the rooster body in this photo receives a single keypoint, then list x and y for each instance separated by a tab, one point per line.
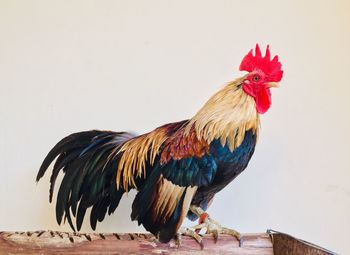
174	167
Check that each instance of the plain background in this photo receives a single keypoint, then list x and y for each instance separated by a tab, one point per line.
68	66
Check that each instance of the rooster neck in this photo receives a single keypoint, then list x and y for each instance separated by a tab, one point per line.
226	116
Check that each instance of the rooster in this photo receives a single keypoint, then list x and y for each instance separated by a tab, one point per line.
176	169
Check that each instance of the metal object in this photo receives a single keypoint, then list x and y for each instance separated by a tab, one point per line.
284	244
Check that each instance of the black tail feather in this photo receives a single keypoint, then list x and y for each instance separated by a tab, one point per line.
72	141
90	174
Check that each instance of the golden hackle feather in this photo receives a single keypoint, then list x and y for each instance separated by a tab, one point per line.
136	152
226	116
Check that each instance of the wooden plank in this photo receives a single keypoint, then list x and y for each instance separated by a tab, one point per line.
53	242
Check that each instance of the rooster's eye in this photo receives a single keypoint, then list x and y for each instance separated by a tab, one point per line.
256	78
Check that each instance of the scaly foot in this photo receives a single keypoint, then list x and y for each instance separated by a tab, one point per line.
212	226
188	232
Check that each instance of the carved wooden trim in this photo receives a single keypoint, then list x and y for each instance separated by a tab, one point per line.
53	242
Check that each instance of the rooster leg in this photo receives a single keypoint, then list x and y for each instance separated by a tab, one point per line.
213	227
188	232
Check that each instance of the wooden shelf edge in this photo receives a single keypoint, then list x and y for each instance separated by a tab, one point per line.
54	242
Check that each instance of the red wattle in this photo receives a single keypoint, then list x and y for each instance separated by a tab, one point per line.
263	100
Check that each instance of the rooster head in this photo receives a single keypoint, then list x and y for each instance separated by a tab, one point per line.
264	73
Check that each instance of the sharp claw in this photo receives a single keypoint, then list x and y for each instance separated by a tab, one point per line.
215	235
240	240
201	244
178	240
232	232
198	239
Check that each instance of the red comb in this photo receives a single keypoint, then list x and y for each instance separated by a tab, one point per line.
271	68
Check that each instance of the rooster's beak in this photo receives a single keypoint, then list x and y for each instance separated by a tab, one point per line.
272	84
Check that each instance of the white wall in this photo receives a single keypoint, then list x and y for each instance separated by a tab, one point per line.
67	66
